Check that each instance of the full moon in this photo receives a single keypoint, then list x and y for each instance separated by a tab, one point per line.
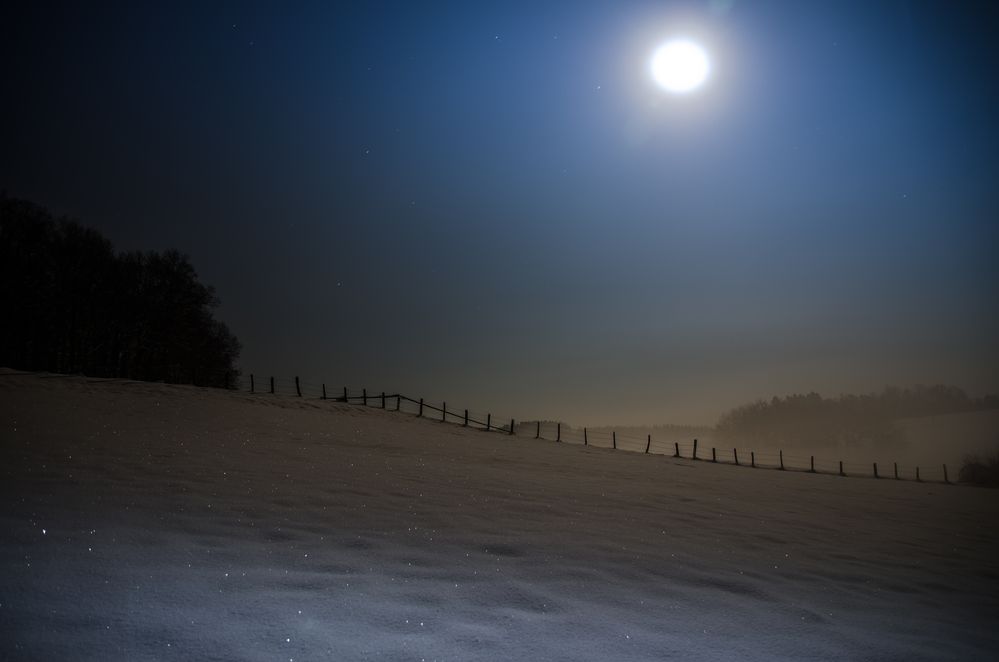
680	66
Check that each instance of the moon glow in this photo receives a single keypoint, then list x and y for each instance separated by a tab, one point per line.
680	66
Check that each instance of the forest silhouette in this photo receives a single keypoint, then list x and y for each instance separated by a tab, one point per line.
74	305
809	420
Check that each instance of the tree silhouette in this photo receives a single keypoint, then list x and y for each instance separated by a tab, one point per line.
73	305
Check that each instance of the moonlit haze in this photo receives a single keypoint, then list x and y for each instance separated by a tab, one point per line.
555	330
623	212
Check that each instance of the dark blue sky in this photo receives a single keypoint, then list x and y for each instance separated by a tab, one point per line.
494	203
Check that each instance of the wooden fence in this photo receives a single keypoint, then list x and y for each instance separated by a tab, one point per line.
557	432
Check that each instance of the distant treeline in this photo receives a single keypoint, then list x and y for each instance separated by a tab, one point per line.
71	304
847	420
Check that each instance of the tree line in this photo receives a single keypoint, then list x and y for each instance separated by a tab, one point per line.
809	419
72	304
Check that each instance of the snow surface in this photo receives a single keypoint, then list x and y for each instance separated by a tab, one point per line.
153	522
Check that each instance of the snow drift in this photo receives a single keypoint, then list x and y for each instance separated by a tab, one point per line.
153	522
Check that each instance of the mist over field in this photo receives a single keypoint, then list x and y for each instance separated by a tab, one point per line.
920	426
912	426
947	437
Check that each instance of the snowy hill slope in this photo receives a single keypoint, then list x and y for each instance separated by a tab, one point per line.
153	522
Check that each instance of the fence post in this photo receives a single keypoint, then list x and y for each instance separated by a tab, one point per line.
465	424
946	480
676	449
752	459
537	435
896	470
511	426
324	391
586	440
489	422
714	458
272	385
365	392
383	399
251	383
298	387
398	402
558	431
735	454
875	469
346	398
648	444
781	453
812	465
614	438
841	468
694	456
421	407
917	475
444	412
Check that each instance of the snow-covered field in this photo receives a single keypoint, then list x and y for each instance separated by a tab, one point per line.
153	522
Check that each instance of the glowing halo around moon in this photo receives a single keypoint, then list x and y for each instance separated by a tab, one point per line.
680	66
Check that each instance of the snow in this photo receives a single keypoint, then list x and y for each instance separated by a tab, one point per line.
154	522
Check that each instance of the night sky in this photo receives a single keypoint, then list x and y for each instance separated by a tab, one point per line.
493	203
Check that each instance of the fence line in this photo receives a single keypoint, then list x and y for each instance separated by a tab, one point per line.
586	437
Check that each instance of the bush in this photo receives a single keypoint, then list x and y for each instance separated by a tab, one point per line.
979	471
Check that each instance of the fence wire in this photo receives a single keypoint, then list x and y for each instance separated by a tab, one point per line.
555	431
